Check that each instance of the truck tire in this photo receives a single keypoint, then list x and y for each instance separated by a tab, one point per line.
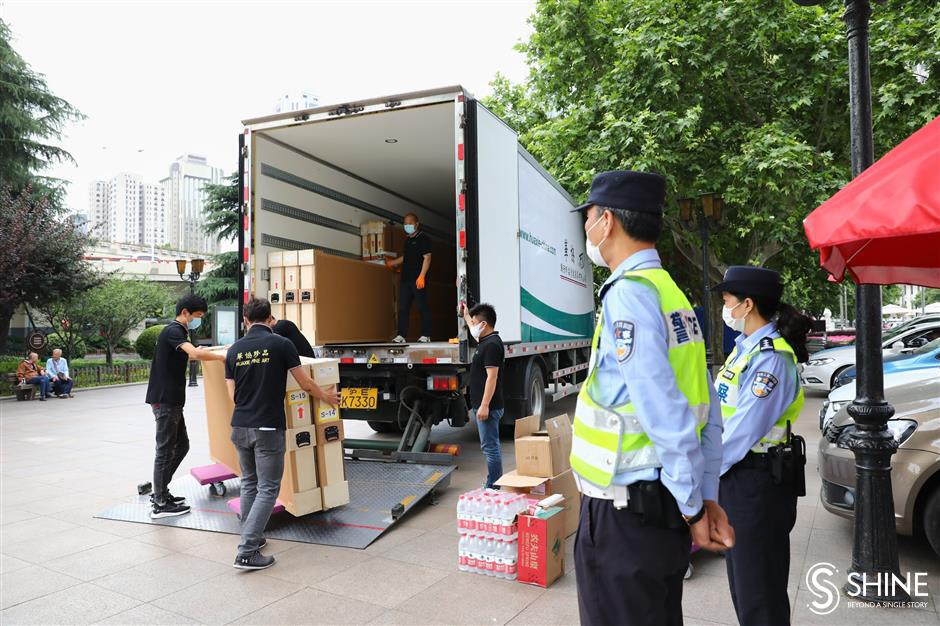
383	427
931	519
534	390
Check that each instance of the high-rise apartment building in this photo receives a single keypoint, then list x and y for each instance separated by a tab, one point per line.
127	210
184	191
296	102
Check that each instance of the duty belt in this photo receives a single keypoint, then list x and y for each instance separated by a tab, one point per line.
649	499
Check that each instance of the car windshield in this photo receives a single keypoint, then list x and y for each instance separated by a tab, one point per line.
898	330
929	347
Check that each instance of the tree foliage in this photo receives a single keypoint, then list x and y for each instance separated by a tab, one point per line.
31	119
220	286
117	306
40	255
745	98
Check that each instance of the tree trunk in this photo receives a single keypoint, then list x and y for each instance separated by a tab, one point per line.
109	352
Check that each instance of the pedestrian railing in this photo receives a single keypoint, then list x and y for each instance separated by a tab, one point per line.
98	375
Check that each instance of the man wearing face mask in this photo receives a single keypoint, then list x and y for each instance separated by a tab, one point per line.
761	469
166	395
486	389
415	264
647	432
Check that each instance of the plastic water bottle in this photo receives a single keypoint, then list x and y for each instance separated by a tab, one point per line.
500	559
471	547
512	560
462	552
462	514
489	557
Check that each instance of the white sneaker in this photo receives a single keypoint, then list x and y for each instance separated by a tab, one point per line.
399	339
424	339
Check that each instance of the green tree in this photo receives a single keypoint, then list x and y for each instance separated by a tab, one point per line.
71	320
40	255
220	286
745	98
31	120
117	306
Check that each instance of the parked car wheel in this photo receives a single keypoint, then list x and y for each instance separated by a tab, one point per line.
931	519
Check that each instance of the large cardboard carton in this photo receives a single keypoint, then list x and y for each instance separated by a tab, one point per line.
298	409
292	310
305	291
543	453
277	310
276	259
539	487
305	257
290	258
300	472
542	546
219	408
277	278
308	315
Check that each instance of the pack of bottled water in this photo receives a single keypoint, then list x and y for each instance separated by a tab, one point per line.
489	533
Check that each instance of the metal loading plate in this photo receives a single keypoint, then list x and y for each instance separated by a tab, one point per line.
376	489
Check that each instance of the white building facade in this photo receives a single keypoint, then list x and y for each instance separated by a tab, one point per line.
184	191
127	210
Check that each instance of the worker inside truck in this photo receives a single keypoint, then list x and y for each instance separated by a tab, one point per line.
414	263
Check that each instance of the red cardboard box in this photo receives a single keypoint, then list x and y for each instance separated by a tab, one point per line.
542	547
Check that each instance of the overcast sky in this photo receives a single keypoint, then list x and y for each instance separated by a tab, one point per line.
159	79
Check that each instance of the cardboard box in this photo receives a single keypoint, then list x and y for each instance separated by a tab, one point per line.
276	259
544	453
323	371
292	312
307	275
277	310
308	315
290	258
300	463
330	432
297	409
303	503
539	487
542	546
276	280
276	296
334	495
305	257
291	278
219	408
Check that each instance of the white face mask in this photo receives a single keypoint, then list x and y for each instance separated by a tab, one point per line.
594	252
476	330
732	322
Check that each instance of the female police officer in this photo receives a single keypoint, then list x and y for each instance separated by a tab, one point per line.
760	396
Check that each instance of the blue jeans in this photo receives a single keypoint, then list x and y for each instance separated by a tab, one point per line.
489	442
42	382
261	458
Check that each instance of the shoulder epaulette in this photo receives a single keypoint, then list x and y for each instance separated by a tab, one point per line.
767	345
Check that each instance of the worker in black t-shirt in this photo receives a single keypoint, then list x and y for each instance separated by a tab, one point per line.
166	395
415	263
256	373
289	330
486	387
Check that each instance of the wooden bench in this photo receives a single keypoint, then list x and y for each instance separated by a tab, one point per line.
23	391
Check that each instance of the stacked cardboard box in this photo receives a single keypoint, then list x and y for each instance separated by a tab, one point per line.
541	558
542	465
332	299
381	241
313	478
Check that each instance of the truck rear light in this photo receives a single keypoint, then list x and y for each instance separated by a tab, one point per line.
347	359
442	383
463	239
245	296
245	254
462	200
460	152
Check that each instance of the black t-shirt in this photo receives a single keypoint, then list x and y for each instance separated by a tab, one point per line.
415	249
168	370
490	353
258	363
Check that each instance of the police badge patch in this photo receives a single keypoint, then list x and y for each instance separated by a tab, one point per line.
623	340
763	385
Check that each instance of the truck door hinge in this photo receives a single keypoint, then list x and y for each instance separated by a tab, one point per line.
244	152
463	120
463	185
347	109
391	104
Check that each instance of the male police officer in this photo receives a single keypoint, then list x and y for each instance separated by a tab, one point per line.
647	431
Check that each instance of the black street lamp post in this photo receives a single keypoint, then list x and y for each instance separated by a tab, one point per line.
875	546
197	266
705	221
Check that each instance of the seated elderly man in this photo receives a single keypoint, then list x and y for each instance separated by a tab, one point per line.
57	368
31	372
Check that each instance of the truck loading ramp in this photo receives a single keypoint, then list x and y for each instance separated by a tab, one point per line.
380	493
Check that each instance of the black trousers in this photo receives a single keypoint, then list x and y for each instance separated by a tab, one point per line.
762	514
410	293
172	447
628	574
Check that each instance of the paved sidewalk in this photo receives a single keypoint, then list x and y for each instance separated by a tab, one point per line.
64	460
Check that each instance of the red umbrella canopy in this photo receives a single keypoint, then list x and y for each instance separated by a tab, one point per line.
884	226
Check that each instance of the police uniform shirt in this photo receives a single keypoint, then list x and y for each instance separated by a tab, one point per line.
766	388
633	365
258	363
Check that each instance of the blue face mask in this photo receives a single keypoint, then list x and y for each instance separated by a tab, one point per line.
196	323
410	229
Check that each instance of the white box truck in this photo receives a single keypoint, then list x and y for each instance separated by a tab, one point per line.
310	178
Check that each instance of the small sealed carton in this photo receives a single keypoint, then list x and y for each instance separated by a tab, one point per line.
564	484
542	546
543	453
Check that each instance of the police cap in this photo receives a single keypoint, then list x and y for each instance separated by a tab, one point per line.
751	280
629	190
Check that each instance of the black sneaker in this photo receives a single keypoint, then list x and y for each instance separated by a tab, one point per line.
171	498
170	509
263	544
253	560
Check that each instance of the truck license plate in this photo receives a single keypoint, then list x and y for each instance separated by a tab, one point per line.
359	398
